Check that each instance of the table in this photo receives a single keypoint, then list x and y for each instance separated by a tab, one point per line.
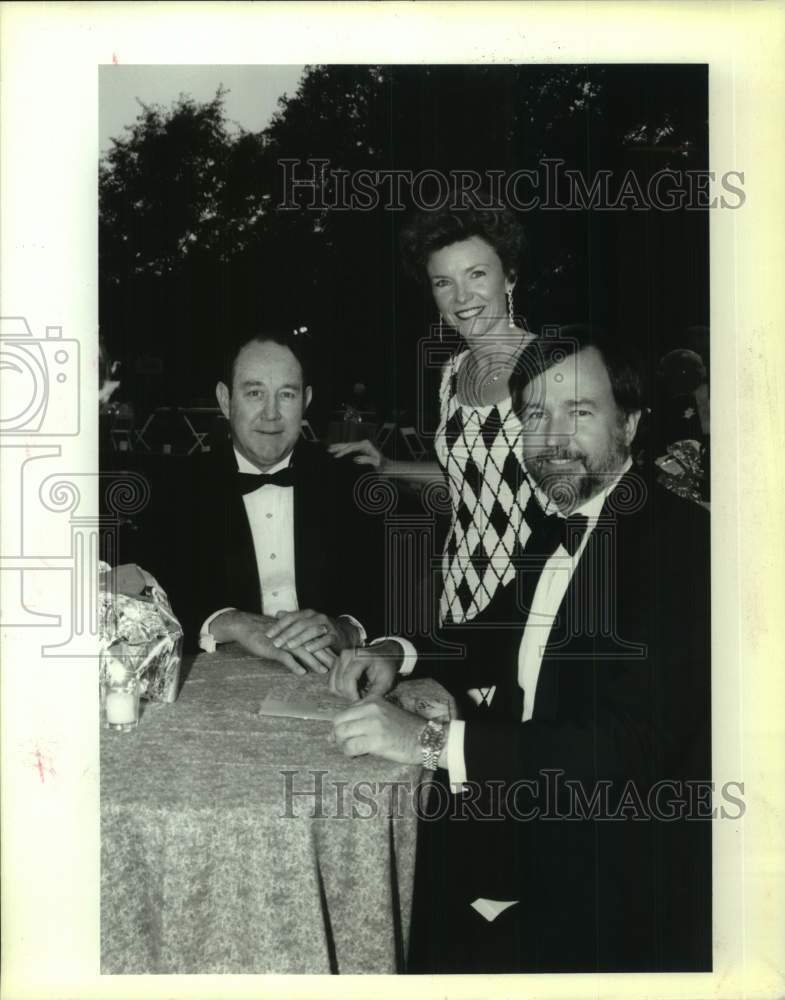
208	867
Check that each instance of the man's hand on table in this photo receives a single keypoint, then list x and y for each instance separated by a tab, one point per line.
312	631
375	726
378	665
250	631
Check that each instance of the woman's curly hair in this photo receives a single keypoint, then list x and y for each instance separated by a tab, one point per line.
430	231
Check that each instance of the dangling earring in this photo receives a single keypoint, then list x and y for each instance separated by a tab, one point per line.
510	319
441	327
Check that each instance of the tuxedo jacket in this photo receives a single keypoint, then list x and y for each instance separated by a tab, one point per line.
622	703
199	546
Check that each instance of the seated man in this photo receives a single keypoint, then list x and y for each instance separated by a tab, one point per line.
264	544
563	830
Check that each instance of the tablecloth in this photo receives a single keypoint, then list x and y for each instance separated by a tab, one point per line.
208	865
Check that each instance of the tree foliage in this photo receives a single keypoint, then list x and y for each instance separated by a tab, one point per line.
180	183
194	241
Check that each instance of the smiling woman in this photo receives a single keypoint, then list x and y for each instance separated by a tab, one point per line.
470	289
469	259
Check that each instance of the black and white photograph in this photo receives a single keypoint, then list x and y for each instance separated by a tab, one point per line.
453	311
403	573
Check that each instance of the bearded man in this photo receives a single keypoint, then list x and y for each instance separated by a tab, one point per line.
562	833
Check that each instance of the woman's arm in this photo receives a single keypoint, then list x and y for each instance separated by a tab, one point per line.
366	453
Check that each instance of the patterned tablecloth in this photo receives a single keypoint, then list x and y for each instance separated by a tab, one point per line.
210	865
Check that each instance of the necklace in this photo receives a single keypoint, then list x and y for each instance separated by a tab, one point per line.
509	363
476	383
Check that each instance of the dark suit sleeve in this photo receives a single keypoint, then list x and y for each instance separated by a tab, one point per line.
645	887
607	734
184	538
339	539
360	550
466	656
609	739
643	719
603	731
162	545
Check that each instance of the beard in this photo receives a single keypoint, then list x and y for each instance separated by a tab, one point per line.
584	478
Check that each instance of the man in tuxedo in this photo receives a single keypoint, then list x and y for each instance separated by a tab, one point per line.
563	831
264	543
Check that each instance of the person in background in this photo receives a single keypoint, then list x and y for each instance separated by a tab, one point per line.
685	386
683	423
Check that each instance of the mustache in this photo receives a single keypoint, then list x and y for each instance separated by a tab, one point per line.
558	454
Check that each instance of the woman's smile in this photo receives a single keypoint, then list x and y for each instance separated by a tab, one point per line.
470	288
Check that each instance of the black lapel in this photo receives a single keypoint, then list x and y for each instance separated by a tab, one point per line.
589	623
310	526
238	556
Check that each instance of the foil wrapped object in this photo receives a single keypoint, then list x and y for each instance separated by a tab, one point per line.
681	470
136	624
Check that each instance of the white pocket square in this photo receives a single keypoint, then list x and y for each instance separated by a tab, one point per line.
491	908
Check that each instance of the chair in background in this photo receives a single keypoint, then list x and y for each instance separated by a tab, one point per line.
308	432
417	449
200	421
383	435
139	435
122	428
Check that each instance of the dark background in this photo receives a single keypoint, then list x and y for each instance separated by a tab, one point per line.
193	248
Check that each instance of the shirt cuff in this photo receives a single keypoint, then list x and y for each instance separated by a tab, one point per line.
456	762
409	652
207	640
353	621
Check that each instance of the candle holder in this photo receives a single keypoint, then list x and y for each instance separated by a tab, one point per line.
120	690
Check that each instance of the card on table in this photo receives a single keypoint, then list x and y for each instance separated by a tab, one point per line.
304	705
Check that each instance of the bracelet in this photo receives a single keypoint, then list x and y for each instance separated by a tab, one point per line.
432	740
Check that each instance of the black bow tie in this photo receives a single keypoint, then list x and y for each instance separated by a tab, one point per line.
549	531
249	481
571	531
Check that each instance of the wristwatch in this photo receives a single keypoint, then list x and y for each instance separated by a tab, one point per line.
432	740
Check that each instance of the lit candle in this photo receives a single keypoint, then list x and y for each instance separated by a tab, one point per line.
120	689
121	707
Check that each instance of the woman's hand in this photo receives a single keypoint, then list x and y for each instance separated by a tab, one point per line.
365	453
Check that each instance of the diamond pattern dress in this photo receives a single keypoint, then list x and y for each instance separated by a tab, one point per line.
479	448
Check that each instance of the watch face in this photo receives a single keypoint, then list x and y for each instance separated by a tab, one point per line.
432	737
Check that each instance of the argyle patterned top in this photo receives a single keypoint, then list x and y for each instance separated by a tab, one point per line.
479	448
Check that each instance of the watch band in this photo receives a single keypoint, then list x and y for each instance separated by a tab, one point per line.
432	740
